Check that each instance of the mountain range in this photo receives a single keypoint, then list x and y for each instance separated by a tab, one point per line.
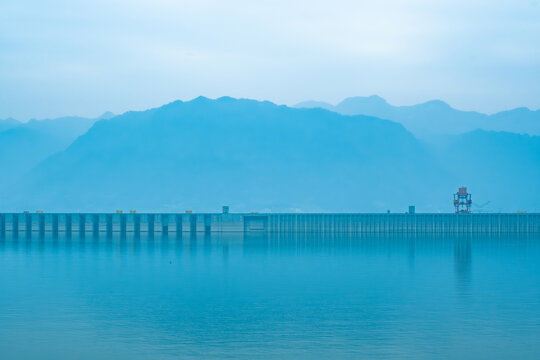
258	156
435	117
24	145
6	124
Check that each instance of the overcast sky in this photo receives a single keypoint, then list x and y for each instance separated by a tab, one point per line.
64	57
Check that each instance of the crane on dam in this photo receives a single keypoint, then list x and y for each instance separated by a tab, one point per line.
462	201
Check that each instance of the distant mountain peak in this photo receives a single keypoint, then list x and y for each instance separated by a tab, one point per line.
373	105
107	115
377	98
438	104
226	98
372	99
521	110
314	104
435	116
200	99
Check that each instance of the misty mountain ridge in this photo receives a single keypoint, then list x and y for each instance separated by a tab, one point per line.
24	145
9	123
258	156
107	115
435	116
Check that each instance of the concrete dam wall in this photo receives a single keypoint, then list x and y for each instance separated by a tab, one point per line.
181	224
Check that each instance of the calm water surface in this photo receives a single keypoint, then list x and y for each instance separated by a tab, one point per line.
309	297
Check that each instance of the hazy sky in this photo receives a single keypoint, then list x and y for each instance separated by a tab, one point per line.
61	57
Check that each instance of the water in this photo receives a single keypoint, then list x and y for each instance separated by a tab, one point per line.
236	297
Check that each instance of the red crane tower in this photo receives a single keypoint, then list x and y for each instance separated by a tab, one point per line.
462	201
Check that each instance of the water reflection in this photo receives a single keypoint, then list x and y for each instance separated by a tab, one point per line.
462	263
408	245
412	252
270	296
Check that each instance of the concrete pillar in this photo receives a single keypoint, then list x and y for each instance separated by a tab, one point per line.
109	224
150	220
15	225
2	226
123	225
193	225
82	225
178	226
137	225
95	225
207	224
164	225
41	226
28	225
55	225
69	224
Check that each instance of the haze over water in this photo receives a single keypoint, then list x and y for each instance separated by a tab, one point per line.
275	297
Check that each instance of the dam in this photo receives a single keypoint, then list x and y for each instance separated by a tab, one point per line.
186	224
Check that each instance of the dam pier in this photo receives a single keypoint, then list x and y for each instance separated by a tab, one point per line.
186	224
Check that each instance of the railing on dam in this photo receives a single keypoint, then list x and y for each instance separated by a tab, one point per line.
83	224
